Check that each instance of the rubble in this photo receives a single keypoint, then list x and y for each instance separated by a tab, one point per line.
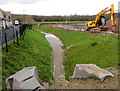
90	70
26	78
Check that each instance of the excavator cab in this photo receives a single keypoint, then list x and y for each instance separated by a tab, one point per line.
102	21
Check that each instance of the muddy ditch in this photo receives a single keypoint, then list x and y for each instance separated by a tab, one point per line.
56	44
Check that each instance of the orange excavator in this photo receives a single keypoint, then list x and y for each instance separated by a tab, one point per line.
100	21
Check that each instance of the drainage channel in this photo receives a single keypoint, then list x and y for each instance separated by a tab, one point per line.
56	44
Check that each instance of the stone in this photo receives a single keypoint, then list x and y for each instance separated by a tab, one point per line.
27	78
90	70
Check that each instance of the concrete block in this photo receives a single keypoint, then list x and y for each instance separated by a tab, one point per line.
27	78
90	70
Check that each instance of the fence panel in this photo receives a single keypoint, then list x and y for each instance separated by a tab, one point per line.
10	33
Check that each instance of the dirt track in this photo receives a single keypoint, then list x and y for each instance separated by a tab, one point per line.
90	83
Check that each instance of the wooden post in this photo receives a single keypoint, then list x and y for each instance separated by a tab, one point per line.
17	37
13	34
6	43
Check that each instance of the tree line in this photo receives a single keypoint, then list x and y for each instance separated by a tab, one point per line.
36	18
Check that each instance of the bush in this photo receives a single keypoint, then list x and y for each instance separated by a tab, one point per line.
94	43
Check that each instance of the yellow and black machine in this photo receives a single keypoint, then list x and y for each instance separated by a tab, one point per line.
100	20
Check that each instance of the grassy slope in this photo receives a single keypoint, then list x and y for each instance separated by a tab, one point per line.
0	69
87	48
34	50
61	22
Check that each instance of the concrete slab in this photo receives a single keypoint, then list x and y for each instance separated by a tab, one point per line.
27	78
90	70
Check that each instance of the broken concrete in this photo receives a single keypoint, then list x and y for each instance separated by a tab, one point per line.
26	78
90	70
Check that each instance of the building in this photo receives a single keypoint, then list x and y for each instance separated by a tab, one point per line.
5	19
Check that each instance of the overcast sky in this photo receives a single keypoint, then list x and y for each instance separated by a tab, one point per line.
56	7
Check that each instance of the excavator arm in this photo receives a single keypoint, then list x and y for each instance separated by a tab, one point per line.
112	15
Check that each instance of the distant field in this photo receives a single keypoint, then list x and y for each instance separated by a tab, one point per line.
60	22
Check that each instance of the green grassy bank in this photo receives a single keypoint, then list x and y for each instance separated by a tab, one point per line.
34	50
86	48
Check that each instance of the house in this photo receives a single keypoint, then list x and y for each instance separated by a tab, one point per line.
5	19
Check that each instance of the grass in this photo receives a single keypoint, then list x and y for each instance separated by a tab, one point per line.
86	48
0	68
34	50
60	22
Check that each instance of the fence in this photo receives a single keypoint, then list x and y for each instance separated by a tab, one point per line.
11	34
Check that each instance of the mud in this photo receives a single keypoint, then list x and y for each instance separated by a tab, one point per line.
90	83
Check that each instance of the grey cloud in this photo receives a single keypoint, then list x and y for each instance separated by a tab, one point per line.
20	1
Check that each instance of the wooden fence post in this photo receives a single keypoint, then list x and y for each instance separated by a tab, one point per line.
6	43
17	37
13	34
